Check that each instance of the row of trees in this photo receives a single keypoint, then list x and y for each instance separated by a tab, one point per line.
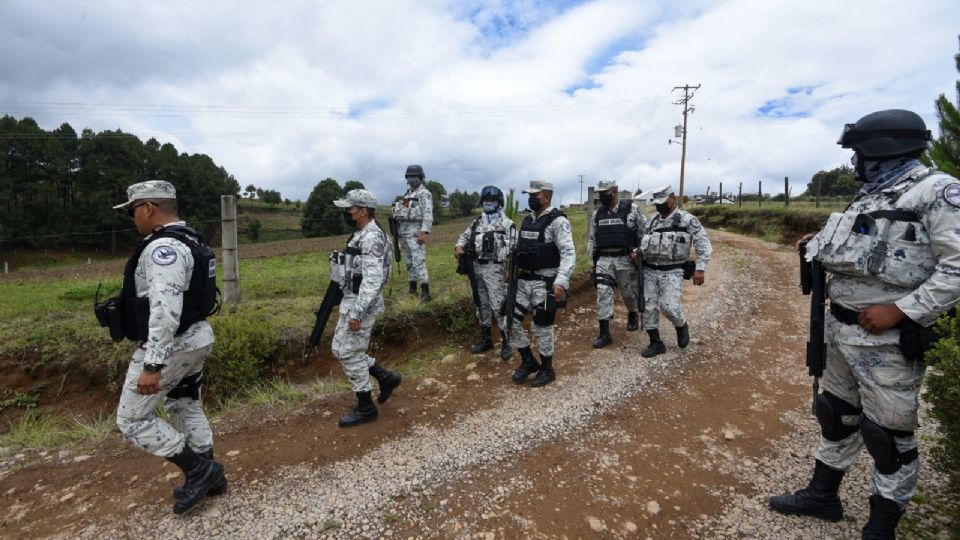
57	187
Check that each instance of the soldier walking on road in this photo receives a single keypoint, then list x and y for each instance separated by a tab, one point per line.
169	289
665	248
893	258
414	212
616	232
545	259
362	271
488	241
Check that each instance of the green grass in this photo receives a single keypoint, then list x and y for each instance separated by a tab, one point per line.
38	430
773	223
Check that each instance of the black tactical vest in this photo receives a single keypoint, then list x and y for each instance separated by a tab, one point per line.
533	253
199	302
611	227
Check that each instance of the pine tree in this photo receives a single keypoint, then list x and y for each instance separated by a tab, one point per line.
945	151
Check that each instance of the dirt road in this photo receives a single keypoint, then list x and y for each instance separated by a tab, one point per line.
686	445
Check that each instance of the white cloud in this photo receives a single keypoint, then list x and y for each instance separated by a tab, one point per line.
481	92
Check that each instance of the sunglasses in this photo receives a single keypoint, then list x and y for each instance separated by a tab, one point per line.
132	209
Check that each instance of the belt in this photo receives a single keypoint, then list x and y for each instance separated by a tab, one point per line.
844	315
677	266
613	252
487	261
530	276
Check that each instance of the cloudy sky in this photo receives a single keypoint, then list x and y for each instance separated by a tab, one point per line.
286	93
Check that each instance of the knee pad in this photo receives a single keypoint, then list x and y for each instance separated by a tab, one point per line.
882	446
544	317
190	386
830	413
606	279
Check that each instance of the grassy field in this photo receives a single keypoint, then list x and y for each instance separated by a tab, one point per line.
772	221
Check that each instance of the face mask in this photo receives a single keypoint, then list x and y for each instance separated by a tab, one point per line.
534	204
490	207
348	219
663	208
412	181
606	199
859	167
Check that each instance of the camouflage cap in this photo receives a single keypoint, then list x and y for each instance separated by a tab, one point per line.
151	189
357	197
604	185
536	186
656	196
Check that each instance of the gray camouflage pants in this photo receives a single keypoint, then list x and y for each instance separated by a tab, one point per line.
530	295
868	371
351	349
491	289
662	289
136	413
414	254
625	274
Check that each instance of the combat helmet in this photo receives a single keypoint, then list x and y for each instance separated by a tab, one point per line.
886	134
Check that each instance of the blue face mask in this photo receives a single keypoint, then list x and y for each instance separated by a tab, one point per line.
490	207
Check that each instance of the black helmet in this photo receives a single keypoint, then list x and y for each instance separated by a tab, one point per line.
886	134
491	191
414	170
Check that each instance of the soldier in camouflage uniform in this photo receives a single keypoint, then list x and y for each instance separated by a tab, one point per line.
362	271
414	212
167	367
893	260
488	240
545	259
616	232
665	247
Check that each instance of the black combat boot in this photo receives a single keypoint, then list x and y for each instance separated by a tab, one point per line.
506	351
819	499
202	475
605	337
364	412
546	375
413	288
655	347
213	491
884	516
386	379
528	365
683	336
425	293
486	341
633	321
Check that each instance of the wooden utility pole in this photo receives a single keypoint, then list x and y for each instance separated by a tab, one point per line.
786	191
581	189
740	195
589	209
721	193
231	265
685	101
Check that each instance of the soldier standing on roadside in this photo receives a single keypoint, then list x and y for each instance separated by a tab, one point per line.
893	260
169	288
362	271
665	247
616	232
545	259
415	215
487	240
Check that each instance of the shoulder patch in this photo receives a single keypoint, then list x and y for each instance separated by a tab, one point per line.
951	194
377	248
164	255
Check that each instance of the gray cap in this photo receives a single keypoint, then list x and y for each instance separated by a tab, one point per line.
357	197
656	196
151	189
604	185
536	186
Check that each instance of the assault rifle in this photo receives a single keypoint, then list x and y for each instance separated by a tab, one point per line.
510	302
813	280
467	267
640	298
395	233
331	300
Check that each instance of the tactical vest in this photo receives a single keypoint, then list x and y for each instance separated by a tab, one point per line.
611	227
409	208
199	301
533	252
669	242
489	241
890	243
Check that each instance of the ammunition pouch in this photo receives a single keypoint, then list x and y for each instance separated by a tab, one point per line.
355	283
109	316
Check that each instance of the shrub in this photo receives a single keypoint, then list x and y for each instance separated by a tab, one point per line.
245	345
943	393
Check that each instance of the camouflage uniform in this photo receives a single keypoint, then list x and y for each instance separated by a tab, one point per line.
489	265
415	215
371	259
919	271
663	289
618	268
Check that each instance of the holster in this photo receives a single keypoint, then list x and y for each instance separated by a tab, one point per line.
916	339
689	267
109	316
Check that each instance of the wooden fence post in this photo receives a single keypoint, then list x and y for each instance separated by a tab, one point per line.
740	195
786	191
759	193
231	264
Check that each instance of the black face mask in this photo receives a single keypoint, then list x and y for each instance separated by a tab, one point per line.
663	208
606	199
534	204
348	219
